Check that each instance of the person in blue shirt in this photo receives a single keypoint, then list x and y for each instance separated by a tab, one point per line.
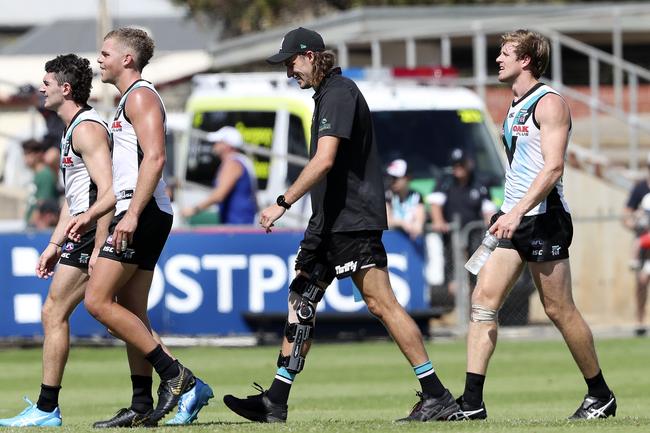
235	184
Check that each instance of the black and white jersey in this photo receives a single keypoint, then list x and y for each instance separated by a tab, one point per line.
80	190
127	156
522	141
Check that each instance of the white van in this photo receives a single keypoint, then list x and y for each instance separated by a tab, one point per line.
419	123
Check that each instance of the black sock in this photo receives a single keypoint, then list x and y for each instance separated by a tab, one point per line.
142	400
164	365
431	385
597	387
279	392
48	400
473	394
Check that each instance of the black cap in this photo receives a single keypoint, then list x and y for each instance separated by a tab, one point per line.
458	156
297	41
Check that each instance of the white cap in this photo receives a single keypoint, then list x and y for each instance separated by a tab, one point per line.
227	134
397	168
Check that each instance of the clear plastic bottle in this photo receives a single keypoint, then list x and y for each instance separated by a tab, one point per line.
480	256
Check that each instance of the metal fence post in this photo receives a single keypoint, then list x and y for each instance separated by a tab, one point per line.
459	243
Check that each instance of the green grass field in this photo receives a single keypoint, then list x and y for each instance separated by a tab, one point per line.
356	387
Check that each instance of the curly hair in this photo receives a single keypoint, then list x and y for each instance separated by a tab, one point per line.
74	70
531	44
324	61
136	39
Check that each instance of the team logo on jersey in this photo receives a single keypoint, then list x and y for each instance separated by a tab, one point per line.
66	162
523	115
324	124
116	126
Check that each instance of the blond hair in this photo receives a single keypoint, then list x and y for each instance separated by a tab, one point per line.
136	39
531	44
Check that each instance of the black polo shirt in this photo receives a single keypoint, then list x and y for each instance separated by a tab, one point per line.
465	200
351	196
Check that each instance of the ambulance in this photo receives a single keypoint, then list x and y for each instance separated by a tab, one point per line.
413	119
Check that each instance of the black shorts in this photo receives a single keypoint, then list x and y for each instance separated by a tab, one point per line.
149	238
77	254
342	253
541	238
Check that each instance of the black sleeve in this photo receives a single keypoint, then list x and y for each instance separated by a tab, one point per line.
443	184
637	194
485	193
336	113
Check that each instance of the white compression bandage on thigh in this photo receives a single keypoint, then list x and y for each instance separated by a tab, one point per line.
481	314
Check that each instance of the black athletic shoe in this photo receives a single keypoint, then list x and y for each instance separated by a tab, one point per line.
466	412
430	408
593	408
257	407
170	392
127	418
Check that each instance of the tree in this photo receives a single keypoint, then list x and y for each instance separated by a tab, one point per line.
244	16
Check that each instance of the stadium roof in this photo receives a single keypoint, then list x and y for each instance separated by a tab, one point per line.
364	25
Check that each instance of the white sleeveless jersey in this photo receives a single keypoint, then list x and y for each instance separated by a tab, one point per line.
80	190
127	156
522	141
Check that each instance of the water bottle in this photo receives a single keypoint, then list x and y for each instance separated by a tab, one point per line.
480	256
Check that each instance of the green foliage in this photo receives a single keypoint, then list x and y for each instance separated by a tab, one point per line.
244	16
356	387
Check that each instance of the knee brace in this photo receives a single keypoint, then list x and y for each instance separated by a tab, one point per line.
299	333
310	294
481	314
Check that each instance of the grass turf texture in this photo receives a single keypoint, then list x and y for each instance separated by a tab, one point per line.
356	387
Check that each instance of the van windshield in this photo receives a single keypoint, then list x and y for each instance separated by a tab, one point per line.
425	139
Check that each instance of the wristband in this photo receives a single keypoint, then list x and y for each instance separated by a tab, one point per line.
54	243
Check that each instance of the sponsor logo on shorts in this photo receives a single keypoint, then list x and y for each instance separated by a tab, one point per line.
350	266
125	194
128	253
83	258
69	246
555	250
538	252
65	255
108	249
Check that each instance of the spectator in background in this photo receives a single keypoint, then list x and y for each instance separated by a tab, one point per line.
46	214
53	124
636	217
235	185
404	207
464	194
44	181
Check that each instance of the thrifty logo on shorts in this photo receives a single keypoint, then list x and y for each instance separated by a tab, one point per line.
125	194
350	266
